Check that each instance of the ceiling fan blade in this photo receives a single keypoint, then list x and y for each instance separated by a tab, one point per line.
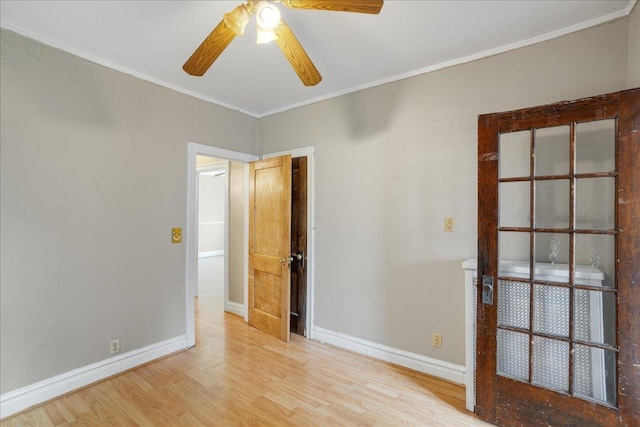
209	50
360	6
297	57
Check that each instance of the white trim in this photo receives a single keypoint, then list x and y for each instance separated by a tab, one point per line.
465	59
191	266
485	54
246	242
437	368
235	308
208	254
91	58
309	153
470	266
23	398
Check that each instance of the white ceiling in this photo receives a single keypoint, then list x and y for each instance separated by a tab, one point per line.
152	39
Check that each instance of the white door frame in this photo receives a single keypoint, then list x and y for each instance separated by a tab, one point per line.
309	153
191	271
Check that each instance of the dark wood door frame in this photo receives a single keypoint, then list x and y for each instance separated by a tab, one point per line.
517	403
299	246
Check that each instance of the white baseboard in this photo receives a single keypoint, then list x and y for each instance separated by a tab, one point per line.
235	308
23	398
417	362
210	253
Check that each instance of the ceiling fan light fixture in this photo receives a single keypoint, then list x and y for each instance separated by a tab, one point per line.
267	16
266	36
237	19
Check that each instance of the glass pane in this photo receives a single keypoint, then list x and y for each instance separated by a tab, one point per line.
595	203
551	310
552	203
595	374
515	154
594	317
513	251
552	151
596	146
513	354
595	260
513	304
515	200
551	363
552	257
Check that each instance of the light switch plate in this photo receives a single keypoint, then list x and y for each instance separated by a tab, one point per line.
448	224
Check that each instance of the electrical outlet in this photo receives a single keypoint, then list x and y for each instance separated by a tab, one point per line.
437	340
114	346
448	224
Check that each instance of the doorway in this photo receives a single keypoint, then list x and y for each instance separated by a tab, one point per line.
302	239
213	219
242	249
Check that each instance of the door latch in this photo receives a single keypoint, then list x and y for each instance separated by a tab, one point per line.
487	290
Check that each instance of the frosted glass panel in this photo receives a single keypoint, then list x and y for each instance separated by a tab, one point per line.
552	203
595	260
551	310
515	202
596	146
594	317
552	151
595	203
552	257
513	354
595	374
551	363
515	154
513	304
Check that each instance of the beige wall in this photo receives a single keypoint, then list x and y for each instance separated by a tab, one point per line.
86	217
93	178
236	231
393	161
633	77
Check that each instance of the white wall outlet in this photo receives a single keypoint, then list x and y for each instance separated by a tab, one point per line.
437	340
114	346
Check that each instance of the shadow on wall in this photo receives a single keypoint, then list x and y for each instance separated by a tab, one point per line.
366	115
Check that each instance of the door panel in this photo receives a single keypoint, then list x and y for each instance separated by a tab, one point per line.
269	245
550	227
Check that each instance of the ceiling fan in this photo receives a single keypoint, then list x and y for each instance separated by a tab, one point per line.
271	27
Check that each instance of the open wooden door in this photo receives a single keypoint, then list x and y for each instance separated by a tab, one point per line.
269	245
558	315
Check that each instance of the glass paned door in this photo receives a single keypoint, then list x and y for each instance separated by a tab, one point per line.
558	252
554	304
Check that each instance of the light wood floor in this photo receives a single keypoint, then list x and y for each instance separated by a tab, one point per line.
237	375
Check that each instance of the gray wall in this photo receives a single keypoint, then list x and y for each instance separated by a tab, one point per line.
93	178
211	211
393	161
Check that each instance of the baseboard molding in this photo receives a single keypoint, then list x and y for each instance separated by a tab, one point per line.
23	398
235	308
210	253
417	362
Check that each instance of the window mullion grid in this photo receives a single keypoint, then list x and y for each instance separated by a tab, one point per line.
572	242
532	219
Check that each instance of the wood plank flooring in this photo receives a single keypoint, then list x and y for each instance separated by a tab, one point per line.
237	375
